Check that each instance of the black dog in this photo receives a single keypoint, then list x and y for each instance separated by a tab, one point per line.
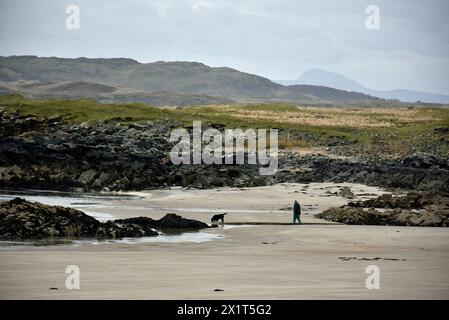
218	217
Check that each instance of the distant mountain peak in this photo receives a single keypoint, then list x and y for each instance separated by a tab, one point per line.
320	77
330	79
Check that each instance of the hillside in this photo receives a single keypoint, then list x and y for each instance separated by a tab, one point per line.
182	77
126	80
104	93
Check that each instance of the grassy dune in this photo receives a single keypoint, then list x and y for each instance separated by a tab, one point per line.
389	131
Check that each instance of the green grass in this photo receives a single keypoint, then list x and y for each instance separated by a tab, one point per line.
81	110
275	107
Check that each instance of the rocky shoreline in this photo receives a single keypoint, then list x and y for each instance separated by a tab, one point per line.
50	154
21	219
418	171
413	209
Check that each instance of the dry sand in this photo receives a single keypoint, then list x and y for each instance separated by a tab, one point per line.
247	262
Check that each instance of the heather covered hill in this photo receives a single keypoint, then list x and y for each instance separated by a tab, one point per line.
105	93
131	81
183	77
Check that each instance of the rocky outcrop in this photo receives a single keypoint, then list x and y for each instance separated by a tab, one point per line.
23	219
414	209
411	200
50	154
173	221
361	216
424	160
169	221
430	173
111	230
20	219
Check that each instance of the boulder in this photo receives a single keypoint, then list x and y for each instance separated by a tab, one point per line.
22	219
169	221
111	230
420	160
146	224
346	193
441	129
173	221
87	176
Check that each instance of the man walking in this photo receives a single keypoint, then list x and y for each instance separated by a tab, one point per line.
296	212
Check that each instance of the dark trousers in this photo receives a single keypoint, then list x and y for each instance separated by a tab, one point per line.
296	217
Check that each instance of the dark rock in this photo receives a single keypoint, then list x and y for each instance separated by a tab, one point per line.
111	230
173	221
169	221
411	200
145	224
351	215
401	211
20	219
139	221
87	177
420	160
371	259
441	129
346	193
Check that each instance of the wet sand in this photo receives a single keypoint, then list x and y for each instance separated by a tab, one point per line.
247	262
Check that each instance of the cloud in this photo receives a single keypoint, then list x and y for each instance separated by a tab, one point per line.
277	39
199	5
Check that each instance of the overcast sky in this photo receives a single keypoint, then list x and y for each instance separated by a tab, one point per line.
277	39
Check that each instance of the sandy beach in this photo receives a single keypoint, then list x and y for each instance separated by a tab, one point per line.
316	260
